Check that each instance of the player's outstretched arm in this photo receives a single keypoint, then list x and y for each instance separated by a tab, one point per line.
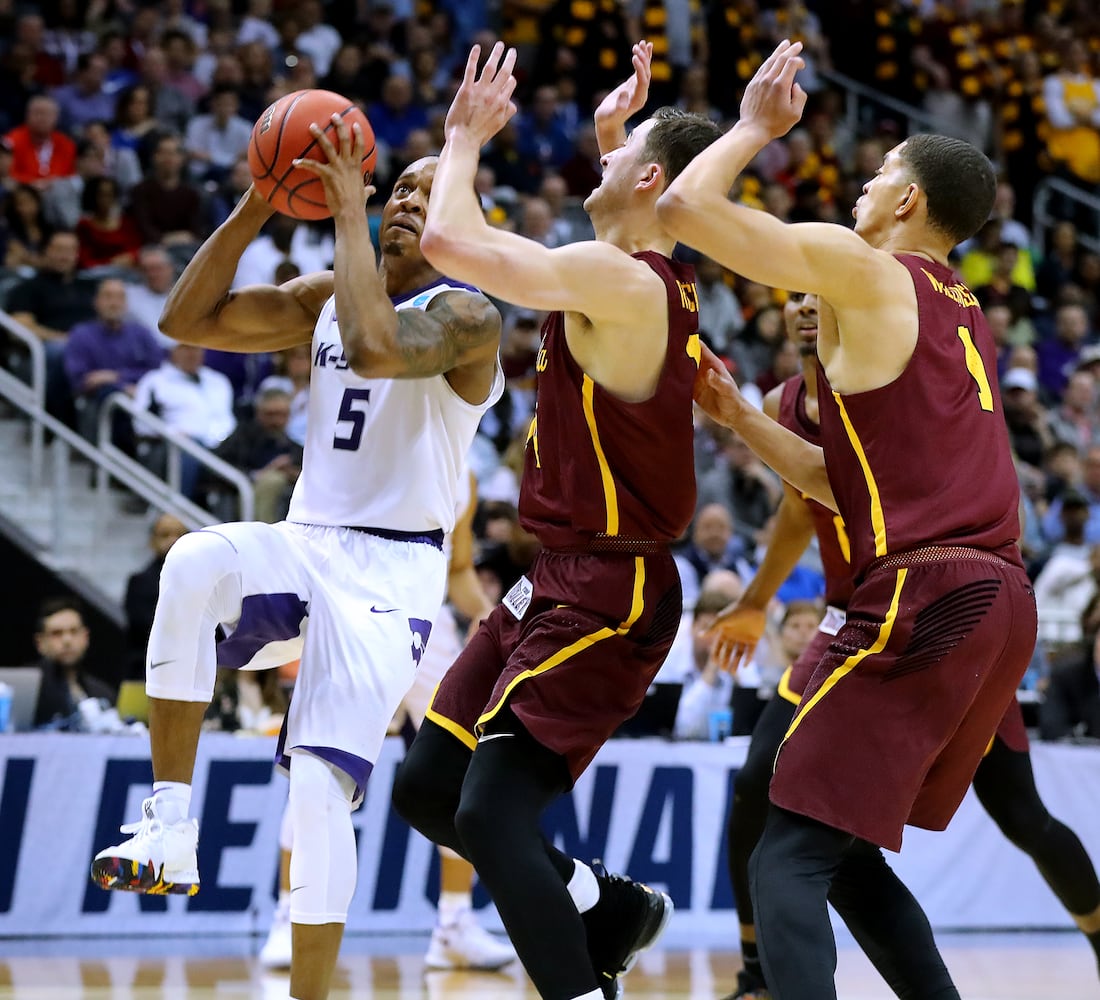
625	101
795	460
202	309
811	257
459	242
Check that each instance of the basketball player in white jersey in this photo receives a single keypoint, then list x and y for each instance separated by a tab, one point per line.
354	578
458	941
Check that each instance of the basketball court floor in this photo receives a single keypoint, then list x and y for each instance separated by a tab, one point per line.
1048	966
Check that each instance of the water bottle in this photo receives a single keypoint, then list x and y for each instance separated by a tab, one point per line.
5	707
719	724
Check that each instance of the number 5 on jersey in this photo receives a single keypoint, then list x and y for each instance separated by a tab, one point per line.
350	413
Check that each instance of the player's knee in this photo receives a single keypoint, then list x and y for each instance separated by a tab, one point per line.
195	563
480	823
428	782
1024	823
750	786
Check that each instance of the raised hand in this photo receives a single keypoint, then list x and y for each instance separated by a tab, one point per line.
736	632
626	100
342	175
715	390
773	101
483	104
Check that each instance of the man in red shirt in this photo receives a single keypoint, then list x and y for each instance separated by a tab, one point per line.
40	153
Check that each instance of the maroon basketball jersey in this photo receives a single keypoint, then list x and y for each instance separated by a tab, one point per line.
598	466
832	538
925	460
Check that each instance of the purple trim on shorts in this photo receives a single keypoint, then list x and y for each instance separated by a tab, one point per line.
356	767
423	537
264	618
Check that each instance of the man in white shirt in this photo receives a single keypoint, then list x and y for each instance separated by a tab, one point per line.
190	398
215	141
145	302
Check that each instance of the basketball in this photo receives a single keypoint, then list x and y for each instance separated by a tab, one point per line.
281	135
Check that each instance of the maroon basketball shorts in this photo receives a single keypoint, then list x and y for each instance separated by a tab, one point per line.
907	696
572	650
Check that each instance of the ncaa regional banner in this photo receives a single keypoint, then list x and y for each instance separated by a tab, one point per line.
651	808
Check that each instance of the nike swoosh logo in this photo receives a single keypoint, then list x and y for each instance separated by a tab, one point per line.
297	887
382	611
159	663
494	736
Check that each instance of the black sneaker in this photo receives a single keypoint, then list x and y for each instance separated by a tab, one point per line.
628	918
749	987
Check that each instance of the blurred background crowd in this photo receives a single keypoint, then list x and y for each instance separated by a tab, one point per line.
124	126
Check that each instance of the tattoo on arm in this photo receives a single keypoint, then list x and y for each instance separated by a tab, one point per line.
434	340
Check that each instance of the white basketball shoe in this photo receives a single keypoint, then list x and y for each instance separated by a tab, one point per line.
159	859
465	944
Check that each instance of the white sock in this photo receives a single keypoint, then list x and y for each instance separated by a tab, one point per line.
451	904
176	795
583	888
594	995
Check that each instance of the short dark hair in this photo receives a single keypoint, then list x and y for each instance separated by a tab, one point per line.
958	182
51	606
676	138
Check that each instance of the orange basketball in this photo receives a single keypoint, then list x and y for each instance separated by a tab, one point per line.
281	135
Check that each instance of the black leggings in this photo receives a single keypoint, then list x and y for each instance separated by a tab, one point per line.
750	798
487	806
797	867
1005	786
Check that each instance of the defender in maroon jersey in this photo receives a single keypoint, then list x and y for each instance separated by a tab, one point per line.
915	459
1004	781
608	484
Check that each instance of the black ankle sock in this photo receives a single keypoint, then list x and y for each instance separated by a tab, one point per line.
750	959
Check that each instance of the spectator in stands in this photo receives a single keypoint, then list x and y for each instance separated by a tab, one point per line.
62	200
1065	585
542	141
754	350
25	227
720	316
1070	706
86	98
50	304
142	589
292	371
171	107
216	140
741	482
396	114
1071	98
714	546
7	183
179	58
166	208
134	122
40	152
1076	419
706	688
346	75
283	238
106	355
107	233
262	448
30	34
581	172
119	162
1002	288
1059	266
146	301
1059	354
256	26
61	638
1089	487
190	398
318	40
229	192
1027	420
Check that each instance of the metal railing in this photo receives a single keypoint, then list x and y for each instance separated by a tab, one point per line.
167	490
915	118
35	392
1043	218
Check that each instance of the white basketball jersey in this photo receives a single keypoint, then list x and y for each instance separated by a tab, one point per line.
383	453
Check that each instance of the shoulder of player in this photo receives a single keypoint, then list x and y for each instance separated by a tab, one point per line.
773	400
